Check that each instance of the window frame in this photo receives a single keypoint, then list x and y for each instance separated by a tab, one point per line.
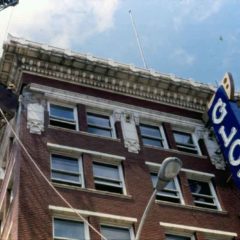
206	179
68	182
117	164
73	219
129	227
75	115
103	114
163	139
180	234
153	169
183	146
178	192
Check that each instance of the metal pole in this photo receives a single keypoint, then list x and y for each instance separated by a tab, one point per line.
138	41
150	201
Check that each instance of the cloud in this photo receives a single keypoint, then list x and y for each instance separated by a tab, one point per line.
182	57
186	11
60	23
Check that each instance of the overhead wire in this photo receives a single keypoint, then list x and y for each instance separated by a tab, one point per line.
46	179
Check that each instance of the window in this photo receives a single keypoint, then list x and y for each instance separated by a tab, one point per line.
68	230
108	177
177	237
171	193
116	233
185	142
152	136
203	194
100	125
66	169
62	116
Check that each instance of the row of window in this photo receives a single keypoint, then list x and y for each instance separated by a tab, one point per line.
75	230
102	125
109	177
203	192
66	229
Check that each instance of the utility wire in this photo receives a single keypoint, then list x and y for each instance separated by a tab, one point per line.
46	179
138	40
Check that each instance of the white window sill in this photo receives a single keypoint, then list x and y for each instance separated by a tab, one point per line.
84	133
90	190
192	207
99	136
175	151
63	129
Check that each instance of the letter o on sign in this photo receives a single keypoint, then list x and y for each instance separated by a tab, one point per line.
232	160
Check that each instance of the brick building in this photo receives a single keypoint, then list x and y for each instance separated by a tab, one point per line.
99	131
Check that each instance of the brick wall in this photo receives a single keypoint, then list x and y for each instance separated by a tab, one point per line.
35	196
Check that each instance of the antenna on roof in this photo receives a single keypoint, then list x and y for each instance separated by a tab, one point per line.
138	40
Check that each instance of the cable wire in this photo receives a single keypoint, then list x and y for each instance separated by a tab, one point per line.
46	179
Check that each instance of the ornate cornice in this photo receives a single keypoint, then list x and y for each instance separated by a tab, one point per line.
25	56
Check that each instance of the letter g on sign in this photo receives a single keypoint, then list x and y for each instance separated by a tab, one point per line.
221	107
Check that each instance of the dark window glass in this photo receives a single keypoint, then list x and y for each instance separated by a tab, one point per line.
61	112
184	142
151	135
99	131
202	194
175	237
99	125
65	169
67	229
150	131
107	177
62	116
98	120
170	193
115	233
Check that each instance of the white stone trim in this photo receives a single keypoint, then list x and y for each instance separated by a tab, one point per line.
78	151
91	190
35	118
129	131
106	216
143	113
197	229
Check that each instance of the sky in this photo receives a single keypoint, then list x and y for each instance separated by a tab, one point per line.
193	39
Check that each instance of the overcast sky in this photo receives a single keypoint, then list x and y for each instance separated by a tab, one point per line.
197	39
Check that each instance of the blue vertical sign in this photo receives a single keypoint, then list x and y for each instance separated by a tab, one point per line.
224	115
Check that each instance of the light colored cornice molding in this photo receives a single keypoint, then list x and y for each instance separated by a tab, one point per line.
198	229
98	73
65	211
73	150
